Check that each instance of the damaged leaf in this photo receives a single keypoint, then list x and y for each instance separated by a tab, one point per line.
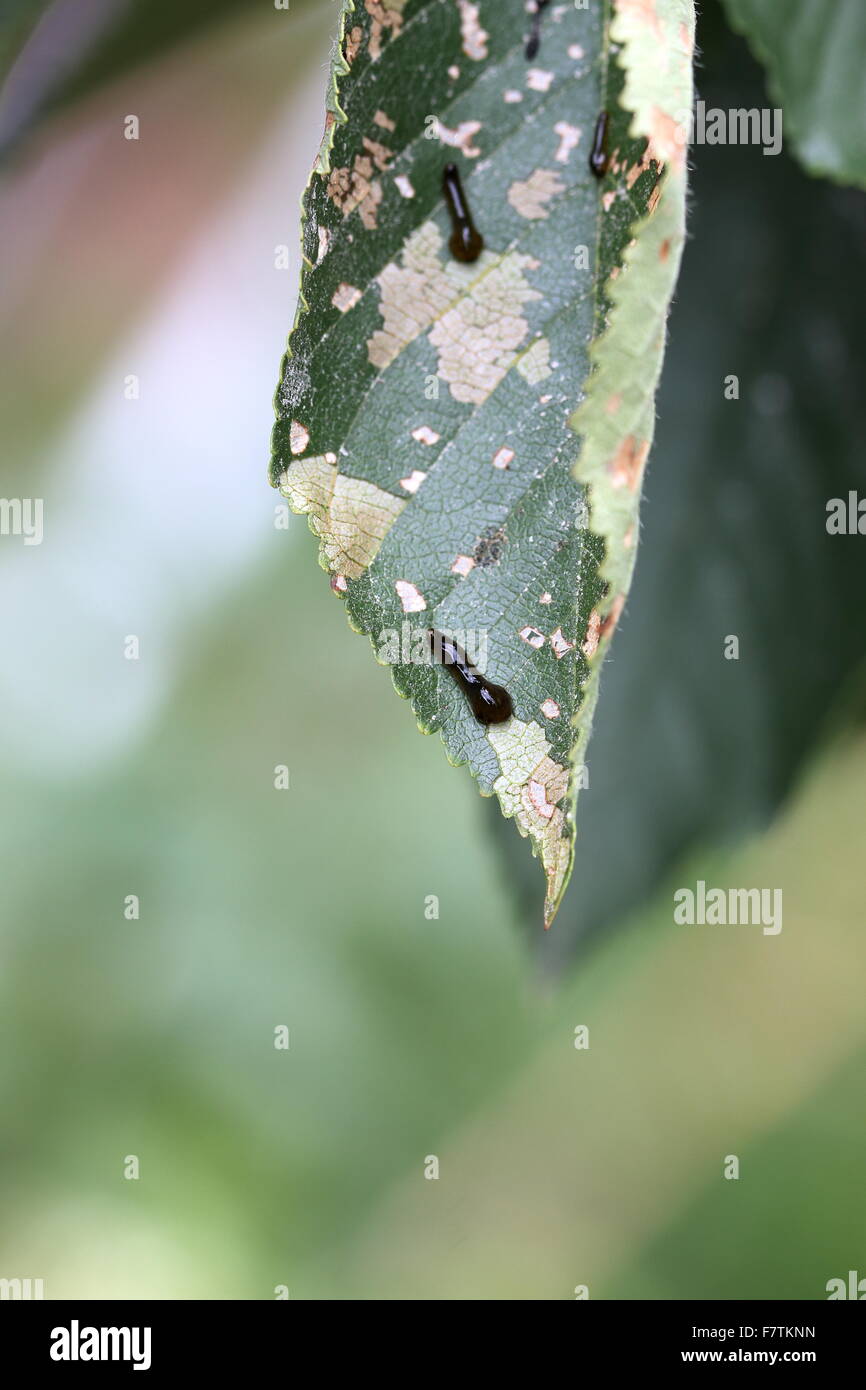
467	436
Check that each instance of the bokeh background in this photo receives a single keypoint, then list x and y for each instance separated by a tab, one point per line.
409	1037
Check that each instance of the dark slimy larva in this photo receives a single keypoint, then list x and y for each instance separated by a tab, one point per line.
598	156
533	43
466	242
491	704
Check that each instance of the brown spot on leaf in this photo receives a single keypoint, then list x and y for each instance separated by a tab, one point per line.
387	15
356	187
667	142
612	618
627	465
644	11
353	43
589	647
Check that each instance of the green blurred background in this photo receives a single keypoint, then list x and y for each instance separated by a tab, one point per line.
409	1037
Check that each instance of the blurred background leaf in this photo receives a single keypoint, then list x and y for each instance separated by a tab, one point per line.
699	749
75	46
813	52
95	225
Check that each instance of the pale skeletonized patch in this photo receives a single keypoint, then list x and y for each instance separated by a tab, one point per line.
478	336
473	36
384	120
510	96
546	598
537	793
461	137
345	297
387	17
530	788
550	709
539	80
425	435
411	295
356	187
462	565
534	365
575	51
530	196
412	599
532	636
414	481
339	584
350	516
569	139
502	458
404	185
560	644
324	243
299	437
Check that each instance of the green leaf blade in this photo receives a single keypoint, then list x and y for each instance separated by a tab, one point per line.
425	410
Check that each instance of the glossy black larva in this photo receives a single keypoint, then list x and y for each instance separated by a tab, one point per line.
533	43
466	242
598	155
491	704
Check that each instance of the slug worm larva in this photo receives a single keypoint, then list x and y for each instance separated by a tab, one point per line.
491	704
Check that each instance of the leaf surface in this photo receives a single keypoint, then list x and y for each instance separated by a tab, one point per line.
433	420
